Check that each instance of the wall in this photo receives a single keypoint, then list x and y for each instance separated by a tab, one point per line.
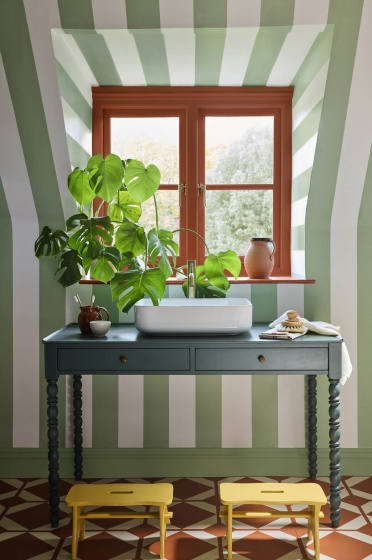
137	418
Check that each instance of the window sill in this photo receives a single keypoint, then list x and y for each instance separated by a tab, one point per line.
243	280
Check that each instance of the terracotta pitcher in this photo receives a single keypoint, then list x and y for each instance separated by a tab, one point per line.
88	314
259	258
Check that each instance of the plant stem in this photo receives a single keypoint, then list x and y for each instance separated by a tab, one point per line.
156	214
91	209
192	231
99	208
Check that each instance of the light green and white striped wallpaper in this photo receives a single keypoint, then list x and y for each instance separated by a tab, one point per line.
322	48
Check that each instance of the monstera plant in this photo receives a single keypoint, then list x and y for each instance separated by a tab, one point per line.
116	247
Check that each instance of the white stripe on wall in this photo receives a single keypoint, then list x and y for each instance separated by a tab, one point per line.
298	263
236	411
292	54
130	411
70	57
42	47
176	13
291	388
80	133
311	96
349	189
180	48
307	12
25	284
110	14
299	212
243	13
122	47
182	411
236	55
304	157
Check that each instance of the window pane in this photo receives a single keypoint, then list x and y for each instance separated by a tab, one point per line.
233	217
150	140
168	212
239	150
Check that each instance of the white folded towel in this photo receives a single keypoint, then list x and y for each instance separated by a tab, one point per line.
320	327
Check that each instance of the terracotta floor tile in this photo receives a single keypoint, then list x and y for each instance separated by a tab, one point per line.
183	546
23	546
102	546
339	546
259	546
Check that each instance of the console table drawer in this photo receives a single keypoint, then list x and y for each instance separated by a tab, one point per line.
284	359
126	359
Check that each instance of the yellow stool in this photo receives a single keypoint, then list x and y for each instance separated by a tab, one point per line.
309	494
83	495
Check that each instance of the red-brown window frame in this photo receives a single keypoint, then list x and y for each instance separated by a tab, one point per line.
192	105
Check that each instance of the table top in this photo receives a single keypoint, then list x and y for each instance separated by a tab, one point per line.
308	493
127	334
120	495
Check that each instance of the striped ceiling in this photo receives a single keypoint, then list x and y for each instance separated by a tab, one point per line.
248	56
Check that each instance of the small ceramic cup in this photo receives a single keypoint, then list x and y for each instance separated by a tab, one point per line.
100	328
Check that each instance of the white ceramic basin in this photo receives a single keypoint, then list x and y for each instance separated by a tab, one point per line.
181	316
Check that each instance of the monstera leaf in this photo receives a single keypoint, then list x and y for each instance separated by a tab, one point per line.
131	286
49	244
204	289
70	268
131	238
85	239
106	175
142	182
161	243
214	267
124	206
80	187
106	264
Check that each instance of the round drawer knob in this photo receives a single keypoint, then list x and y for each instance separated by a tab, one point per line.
123	359
261	358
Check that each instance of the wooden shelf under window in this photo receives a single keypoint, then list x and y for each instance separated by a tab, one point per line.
243	280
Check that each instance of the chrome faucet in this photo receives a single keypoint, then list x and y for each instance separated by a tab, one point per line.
191	279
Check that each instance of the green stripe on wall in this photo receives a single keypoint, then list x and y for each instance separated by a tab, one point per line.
98	56
265	387
76	15
209	47
104	299
156	411
210	13
153	55
277	12
78	156
71	94
301	184
298	238
105	419
314	60
365	312
6	323
208	411
347	17
265	51
143	14
307	128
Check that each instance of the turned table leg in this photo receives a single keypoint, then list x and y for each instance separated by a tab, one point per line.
334	450
78	427
312	425
53	455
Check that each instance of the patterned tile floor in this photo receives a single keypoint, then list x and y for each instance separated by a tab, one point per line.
195	533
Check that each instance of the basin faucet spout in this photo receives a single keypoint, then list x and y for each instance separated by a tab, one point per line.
191	279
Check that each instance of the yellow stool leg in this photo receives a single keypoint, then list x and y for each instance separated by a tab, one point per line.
75	533
162	530
81	525
310	524
229	532
316	532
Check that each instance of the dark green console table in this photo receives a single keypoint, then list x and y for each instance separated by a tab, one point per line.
125	351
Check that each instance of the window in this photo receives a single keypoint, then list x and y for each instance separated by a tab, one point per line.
225	155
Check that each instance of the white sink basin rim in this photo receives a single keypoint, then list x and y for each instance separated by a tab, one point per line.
181	316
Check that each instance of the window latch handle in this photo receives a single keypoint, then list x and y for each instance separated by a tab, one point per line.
181	188
202	188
